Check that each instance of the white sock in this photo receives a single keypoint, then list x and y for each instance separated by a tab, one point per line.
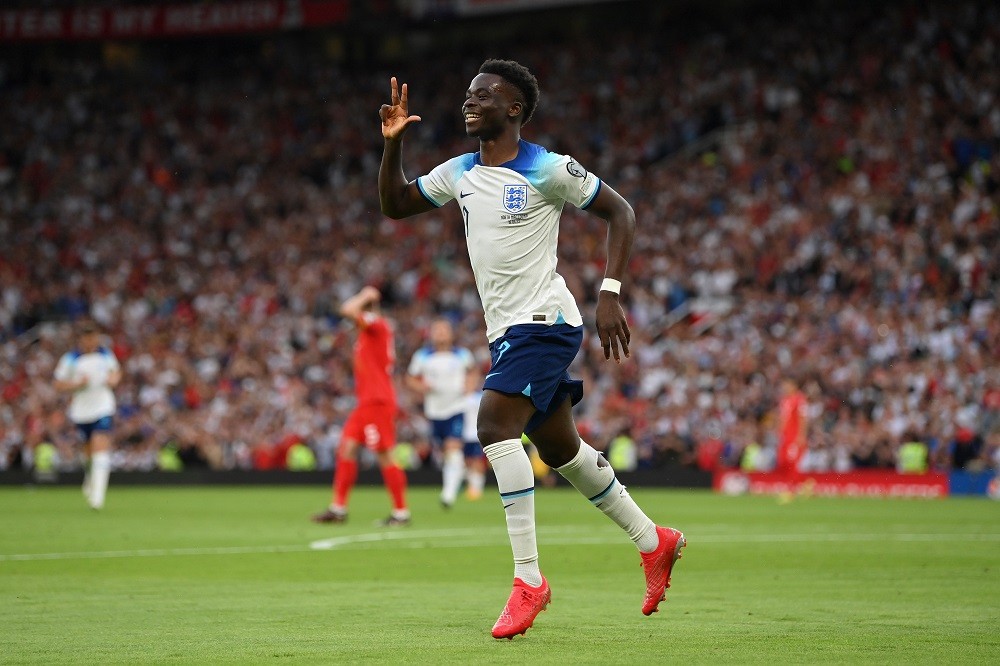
517	492
452	470
594	477
86	481
100	469
476	481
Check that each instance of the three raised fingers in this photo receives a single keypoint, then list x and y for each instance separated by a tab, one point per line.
399	95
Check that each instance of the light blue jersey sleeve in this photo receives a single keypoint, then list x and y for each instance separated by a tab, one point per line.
439	185
561	177
417	362
64	369
468	362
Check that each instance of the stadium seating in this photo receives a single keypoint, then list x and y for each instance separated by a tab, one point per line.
824	209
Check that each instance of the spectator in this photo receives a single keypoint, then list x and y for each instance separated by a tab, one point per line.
823	206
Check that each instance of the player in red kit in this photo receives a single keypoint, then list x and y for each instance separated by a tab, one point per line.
791	427
373	421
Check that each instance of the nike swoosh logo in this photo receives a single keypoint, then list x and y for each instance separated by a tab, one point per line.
507	506
490	375
462	195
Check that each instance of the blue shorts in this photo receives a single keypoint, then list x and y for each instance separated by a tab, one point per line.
534	360
450	428
473	449
100	425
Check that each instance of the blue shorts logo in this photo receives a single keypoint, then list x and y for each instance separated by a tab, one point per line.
504	346
515	198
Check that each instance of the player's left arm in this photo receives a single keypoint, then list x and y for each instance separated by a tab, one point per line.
612	325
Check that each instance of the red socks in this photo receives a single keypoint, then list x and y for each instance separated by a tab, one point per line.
343	480
346	475
395	482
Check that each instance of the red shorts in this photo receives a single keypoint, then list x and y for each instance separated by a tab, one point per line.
373	426
788	456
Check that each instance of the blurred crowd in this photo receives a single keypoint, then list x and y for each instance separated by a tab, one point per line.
817	196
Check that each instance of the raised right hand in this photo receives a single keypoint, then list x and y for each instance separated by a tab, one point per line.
370	293
396	117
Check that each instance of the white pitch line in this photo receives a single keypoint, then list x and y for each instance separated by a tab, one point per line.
405	534
476	537
151	552
820	537
561	537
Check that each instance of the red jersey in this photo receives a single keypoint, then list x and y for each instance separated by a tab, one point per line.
374	356
791	435
791	411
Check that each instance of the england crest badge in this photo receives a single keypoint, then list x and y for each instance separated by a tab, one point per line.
515	198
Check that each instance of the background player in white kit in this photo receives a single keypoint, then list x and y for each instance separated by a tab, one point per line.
511	194
443	374
475	460
90	372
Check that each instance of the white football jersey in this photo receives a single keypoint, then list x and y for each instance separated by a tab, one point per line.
445	373
511	216
470	430
95	400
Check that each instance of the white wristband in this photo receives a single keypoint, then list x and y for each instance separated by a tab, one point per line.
612	285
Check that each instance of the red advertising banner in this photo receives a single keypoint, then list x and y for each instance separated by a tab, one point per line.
133	22
860	483
480	7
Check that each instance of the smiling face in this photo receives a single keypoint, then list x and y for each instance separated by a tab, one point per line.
491	106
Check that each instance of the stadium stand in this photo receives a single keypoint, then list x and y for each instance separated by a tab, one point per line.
823	208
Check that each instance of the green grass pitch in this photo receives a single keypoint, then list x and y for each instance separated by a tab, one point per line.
240	575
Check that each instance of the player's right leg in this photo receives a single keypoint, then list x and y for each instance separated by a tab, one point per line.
85	430
560	447
475	471
344	477
452	470
502	418
100	462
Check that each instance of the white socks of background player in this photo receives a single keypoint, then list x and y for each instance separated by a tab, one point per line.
452	471
476	481
517	492
100	469
594	477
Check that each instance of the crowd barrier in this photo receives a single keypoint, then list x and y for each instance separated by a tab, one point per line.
861	483
672	477
858	483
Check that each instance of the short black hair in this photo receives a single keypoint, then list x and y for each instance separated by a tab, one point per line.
518	76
